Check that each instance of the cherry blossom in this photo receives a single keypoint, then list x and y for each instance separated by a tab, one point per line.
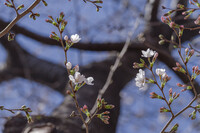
140	79
75	38
148	53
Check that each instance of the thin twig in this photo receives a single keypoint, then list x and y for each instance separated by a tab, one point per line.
191	82
113	69
18	17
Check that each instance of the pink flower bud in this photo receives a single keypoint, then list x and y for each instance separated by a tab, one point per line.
76	68
177	64
186	51
183	90
196	68
106	112
68	92
170	91
175	68
193	68
179	85
172	25
183	13
174	95
181	27
164	19
155	56
191	52
85	107
136	65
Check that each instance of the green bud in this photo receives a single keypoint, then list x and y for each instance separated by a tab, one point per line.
174	128
11	36
170	100
161	37
109	106
189	87
141	60
161	42
198	106
151	81
20	7
44	2
193	115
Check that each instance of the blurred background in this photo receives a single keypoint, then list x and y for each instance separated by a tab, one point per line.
110	25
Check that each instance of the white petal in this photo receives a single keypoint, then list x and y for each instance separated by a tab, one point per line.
89	81
148	53
72	79
75	38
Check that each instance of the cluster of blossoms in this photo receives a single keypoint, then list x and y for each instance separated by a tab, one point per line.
76	77
168	20
140	77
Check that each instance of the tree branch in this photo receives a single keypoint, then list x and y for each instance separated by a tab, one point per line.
18	17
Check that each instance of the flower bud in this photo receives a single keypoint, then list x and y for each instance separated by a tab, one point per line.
174	128
197	21
189	87
180	6
76	68
186	51
155	57
198	106
48	21
161	37
177	96
69	65
69	93
172	25
193	115
178	65
170	92
106	113
109	106
179	85
170	100
66	38
163	109
11	36
161	42
136	65
191	53
44	2
154	95
174	95
183	90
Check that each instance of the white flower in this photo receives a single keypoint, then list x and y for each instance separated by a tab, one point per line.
77	78
140	79
161	72
68	65
148	53
75	38
66	38
89	81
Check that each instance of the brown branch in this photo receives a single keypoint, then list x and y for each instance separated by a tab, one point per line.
18	17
